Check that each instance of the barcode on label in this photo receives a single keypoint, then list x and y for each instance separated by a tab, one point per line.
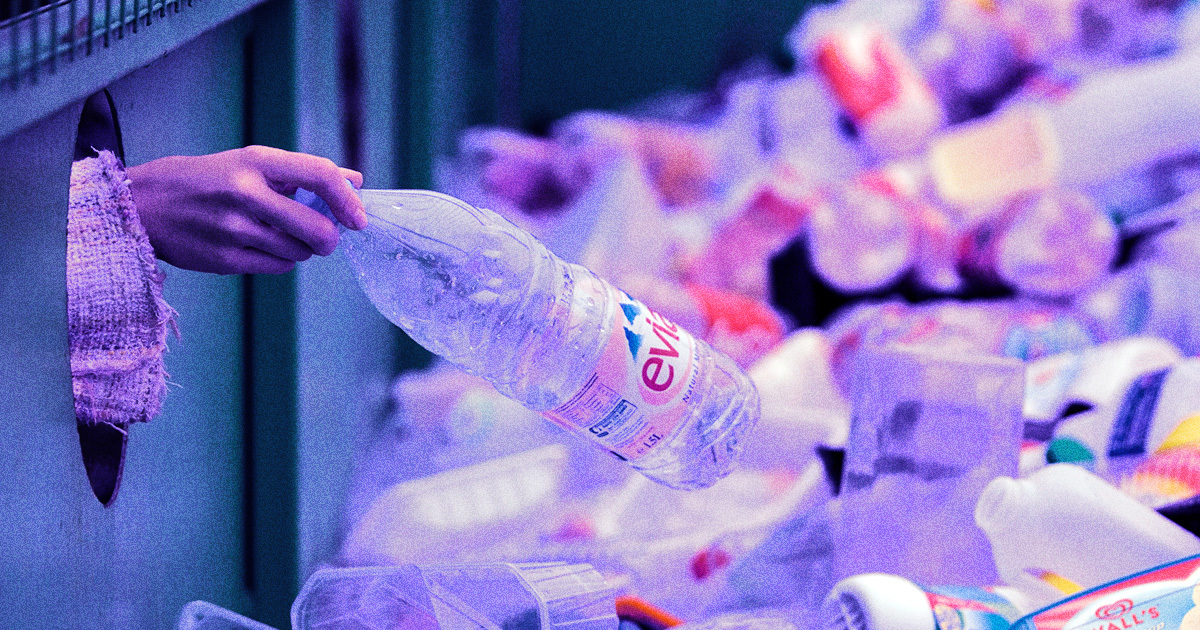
614	420
591	403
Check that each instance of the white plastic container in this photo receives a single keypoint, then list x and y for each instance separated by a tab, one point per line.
1095	377
1068	522
1111	123
1115	436
801	403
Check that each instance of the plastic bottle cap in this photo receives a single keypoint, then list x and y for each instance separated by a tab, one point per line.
877	601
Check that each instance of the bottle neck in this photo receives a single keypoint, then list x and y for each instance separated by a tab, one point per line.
999	504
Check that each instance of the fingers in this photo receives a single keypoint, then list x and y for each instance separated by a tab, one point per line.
355	177
250	260
276	243
296	221
289	170
236	260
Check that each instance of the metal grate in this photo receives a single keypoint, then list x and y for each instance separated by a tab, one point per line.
39	36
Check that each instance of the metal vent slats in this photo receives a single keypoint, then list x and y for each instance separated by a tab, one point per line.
40	39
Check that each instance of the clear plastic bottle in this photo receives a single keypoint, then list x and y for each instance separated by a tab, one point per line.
475	289
863	237
1053	244
869	232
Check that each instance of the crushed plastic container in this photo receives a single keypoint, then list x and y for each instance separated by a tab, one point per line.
930	429
474	508
486	596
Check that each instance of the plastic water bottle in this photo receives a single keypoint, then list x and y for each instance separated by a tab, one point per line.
486	295
1055	244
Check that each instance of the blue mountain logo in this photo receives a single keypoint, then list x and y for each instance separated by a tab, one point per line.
635	341
631	311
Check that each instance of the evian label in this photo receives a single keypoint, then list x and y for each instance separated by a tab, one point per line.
641	386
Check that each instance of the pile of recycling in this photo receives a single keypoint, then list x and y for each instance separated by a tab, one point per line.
956	248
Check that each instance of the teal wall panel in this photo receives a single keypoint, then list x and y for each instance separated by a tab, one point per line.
270	303
609	54
57	542
323	356
346	350
182	521
347	358
175	531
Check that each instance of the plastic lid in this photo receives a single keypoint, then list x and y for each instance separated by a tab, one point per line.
877	601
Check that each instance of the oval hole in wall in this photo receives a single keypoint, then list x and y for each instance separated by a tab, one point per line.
101	444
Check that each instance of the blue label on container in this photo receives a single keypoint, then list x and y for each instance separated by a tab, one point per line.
1132	425
1033	339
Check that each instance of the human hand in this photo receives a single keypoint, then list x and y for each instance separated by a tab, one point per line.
232	212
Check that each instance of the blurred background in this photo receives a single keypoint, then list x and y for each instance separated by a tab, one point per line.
795	181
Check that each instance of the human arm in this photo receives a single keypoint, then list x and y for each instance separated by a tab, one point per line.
232	212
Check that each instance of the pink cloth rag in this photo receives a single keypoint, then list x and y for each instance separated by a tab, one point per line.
116	316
